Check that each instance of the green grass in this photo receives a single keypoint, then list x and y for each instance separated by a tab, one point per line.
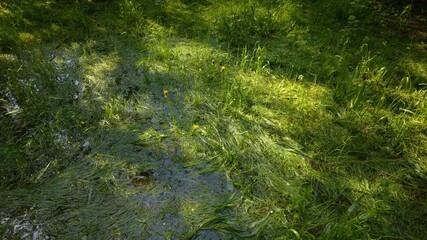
211	119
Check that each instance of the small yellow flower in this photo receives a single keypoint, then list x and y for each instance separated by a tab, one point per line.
165	93
222	68
195	127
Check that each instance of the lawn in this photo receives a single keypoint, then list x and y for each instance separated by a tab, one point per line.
210	119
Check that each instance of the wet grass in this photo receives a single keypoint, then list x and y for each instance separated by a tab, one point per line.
213	120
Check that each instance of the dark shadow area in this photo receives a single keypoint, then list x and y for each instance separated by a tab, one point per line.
44	93
29	23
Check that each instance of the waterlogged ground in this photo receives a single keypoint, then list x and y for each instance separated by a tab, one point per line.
130	178
213	120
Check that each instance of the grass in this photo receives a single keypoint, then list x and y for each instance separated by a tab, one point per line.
210	119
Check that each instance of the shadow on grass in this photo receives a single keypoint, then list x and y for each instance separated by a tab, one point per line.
134	159
128	169
84	146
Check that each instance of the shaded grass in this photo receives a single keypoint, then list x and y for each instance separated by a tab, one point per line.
267	119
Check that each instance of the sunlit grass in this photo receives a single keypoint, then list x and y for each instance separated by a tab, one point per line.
206	119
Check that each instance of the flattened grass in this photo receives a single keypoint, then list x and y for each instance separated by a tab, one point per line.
260	119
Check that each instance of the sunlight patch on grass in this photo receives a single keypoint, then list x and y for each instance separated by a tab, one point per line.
25	38
99	72
197	119
419	70
4	12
